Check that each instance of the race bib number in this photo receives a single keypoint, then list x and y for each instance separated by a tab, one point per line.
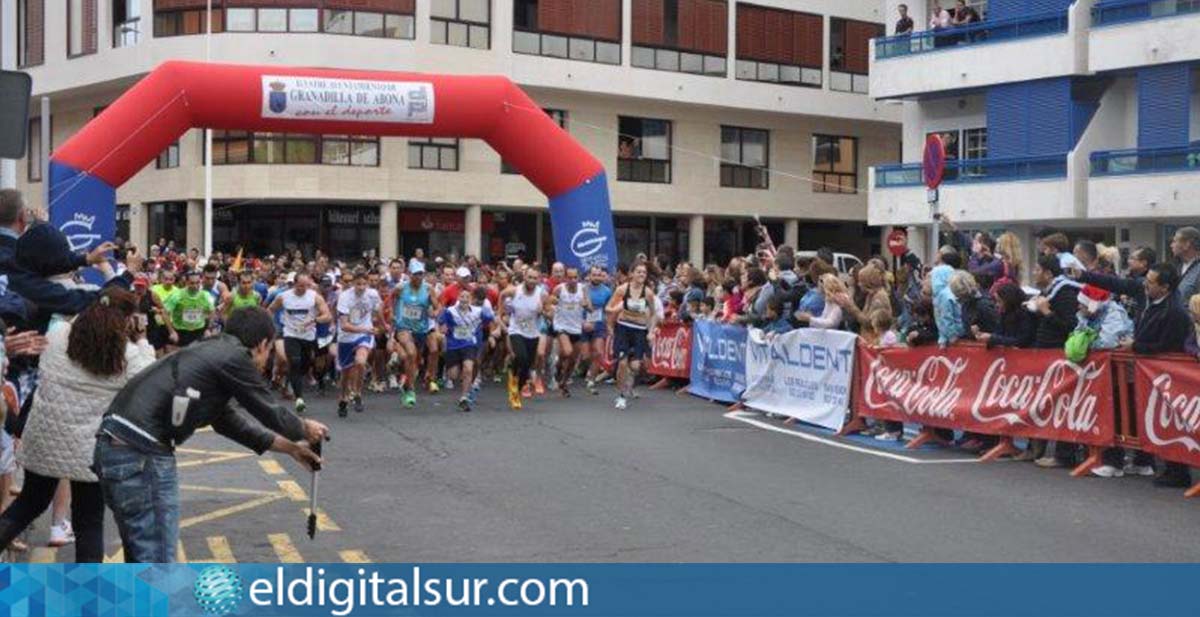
193	315
463	333
526	325
594	315
570	306
412	312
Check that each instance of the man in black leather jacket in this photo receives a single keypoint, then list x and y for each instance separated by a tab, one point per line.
163	405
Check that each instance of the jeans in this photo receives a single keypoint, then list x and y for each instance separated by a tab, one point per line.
142	490
87	514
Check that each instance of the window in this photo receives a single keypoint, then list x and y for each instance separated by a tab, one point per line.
433	153
558	116
241	20
849	53
167	220
126	22
30	15
835	164
81	27
586	30
168	158
365	23
463	23
241	147
35	148
122	222
975	144
687	36
779	46
745	157
180	23
644	150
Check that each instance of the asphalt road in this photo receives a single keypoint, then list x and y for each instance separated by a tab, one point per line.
670	479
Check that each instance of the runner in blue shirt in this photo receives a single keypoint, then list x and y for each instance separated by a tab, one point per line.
414	306
463	324
595	330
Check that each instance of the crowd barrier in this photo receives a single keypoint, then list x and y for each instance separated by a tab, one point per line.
1112	399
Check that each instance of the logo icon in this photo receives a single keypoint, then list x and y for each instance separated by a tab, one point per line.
587	241
218	590
79	232
277	100
418	102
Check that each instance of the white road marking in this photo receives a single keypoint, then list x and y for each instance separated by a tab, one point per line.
749	418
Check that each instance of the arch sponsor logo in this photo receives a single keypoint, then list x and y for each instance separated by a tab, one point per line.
588	240
353	100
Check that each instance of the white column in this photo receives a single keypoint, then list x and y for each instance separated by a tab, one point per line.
696	240
8	62
918	236
473	231
791	233
537	240
139	226
195	224
389	229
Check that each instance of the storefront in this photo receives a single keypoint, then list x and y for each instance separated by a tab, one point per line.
437	232
344	232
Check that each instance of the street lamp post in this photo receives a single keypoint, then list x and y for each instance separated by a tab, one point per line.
208	201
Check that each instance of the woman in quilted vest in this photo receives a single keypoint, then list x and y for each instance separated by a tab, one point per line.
85	364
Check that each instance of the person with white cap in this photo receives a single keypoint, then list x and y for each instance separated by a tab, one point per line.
414	305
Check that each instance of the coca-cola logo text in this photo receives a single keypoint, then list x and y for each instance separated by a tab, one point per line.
671	351
1180	414
931	390
1059	397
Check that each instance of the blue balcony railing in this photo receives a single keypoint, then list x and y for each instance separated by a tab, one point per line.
1110	12
972	34
1146	161
1009	169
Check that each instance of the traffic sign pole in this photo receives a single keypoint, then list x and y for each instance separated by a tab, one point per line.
933	168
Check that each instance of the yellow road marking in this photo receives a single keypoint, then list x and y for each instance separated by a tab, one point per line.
230	491
180	554
117	557
204	429
292	490
223	512
271	466
324	523
354	557
44	554
220	458
221	552
284	549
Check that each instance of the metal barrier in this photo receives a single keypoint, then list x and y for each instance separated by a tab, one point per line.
991	31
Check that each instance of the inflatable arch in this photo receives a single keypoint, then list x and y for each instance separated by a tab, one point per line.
177	96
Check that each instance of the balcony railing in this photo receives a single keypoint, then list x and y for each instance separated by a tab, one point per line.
1010	169
1110	12
127	33
972	34
1146	161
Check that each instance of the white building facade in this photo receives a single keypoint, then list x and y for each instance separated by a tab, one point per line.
1077	116
705	113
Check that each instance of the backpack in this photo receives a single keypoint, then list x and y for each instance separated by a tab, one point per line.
1079	342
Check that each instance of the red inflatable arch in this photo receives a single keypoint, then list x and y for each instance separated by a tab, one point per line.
177	96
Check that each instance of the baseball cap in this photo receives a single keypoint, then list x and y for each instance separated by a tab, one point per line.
462	272
416	268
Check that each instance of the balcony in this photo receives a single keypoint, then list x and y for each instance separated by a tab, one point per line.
1131	33
965	56
977	190
1158	182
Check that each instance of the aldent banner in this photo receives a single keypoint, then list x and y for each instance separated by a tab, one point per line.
1000	391
805	374
718	369
1168	408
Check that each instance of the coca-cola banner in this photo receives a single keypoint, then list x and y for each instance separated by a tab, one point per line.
1001	391
1168	408
671	350
718	369
805	374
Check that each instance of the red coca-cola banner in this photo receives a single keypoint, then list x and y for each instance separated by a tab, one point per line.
1012	392
671	350
1168	408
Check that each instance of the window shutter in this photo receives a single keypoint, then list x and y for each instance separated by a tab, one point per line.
1049	116
1006	123
89	27
1164	94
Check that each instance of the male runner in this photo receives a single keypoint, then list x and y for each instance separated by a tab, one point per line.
414	306
358	309
595	326
190	309
571	303
303	308
462	324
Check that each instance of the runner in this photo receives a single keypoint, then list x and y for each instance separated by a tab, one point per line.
323	362
462	324
571	304
528	302
414	307
595	329
190	309
358	310
245	296
303	308
162	332
633	307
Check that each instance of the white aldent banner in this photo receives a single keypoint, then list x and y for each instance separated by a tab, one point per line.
354	100
805	374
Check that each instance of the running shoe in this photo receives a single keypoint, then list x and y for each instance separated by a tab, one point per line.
447	384
433	386
393	362
342	407
566	392
526	391
61	534
620	403
300	405
393	383
591	387
514	394
410	399
358	404
464	404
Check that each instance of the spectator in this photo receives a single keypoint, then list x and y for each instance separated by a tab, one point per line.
904	25
883	323
1056	305
782	282
813	300
978	311
754	280
1016	326
946	311
1185	246
775	318
1008	247
85	363
1163	328
939	19
923	329
1088	254
964	15
1059	245
875	298
983	263
831	314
